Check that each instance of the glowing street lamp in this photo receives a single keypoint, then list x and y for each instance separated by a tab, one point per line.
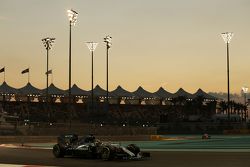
108	40
47	42
227	36
72	21
92	46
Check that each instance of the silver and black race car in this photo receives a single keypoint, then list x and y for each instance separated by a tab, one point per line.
90	147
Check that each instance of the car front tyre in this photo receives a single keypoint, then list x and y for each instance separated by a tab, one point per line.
134	149
106	154
58	151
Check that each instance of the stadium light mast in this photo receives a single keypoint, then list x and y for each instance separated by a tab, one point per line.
245	90
92	46
227	36
108	40
47	42
72	21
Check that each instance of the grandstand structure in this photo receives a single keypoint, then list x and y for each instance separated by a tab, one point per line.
29	93
179	112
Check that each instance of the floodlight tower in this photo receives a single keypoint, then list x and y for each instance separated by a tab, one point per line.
227	36
72	21
92	46
244	90
108	40
47	42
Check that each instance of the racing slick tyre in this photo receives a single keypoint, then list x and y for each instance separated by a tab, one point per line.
106	154
58	151
133	148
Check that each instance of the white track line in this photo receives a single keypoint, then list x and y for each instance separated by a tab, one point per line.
17	165
172	150
24	146
199	150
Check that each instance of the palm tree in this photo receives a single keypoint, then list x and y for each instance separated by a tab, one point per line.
180	100
198	105
222	106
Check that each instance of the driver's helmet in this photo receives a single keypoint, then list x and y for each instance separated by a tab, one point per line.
90	139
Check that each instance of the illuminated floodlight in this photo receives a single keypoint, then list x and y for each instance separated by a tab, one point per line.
92	46
227	36
244	89
47	42
72	16
108	40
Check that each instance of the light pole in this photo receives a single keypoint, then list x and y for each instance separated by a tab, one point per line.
227	36
72	21
47	42
108	40
92	46
244	90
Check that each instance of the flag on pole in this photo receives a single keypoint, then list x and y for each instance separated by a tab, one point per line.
49	72
2	70
25	71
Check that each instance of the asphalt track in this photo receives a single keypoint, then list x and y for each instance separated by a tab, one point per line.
159	159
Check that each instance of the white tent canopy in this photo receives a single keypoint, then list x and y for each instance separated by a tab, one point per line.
203	94
75	90
98	91
142	93
163	93
29	89
183	93
120	92
6	89
53	90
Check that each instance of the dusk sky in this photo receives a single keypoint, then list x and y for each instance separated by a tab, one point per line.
168	43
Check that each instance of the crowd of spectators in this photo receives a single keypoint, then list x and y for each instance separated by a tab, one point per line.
101	113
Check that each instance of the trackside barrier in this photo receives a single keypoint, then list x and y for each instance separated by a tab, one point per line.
155	137
237	131
55	129
23	140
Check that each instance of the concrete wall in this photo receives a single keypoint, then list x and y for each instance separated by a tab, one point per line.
22	140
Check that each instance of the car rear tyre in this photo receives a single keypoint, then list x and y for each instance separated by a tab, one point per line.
105	154
58	151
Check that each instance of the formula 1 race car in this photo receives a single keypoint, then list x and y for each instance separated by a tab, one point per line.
89	147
